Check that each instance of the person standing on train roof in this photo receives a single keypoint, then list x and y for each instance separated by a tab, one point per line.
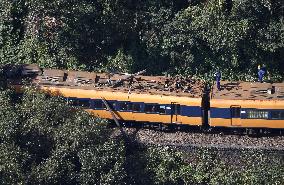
261	73
218	79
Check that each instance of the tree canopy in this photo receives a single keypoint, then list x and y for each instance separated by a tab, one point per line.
44	141
177	37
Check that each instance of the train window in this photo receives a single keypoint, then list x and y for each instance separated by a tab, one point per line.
148	108
155	108
136	107
125	106
236	112
81	103
112	105
162	109
282	115
129	106
257	114
151	108
277	115
84	103
69	101
98	104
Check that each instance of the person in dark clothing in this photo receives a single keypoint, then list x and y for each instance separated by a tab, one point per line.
261	73
218	79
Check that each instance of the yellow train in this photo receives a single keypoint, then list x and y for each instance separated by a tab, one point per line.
248	105
158	99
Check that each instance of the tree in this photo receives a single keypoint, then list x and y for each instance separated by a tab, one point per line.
44	141
209	166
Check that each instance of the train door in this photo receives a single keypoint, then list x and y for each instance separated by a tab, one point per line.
175	112
236	115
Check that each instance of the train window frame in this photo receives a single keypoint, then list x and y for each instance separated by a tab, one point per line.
257	114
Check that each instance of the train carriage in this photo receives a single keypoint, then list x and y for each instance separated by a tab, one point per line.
136	107
159	99
247	105
131	97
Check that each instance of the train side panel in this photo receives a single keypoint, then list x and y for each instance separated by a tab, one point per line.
166	109
247	113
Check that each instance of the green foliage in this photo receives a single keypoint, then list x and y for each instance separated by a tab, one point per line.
43	141
205	166
11	164
120	62
106	160
165	164
202	38
9	119
177	37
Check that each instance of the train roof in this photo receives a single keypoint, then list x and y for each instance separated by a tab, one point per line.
129	83
248	91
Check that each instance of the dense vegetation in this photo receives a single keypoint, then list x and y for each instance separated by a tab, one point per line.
179	37
44	141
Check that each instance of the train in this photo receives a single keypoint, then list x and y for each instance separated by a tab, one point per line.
161	100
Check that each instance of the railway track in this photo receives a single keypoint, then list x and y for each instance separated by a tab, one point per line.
189	141
193	147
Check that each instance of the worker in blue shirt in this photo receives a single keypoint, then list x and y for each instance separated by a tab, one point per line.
218	79
261	73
